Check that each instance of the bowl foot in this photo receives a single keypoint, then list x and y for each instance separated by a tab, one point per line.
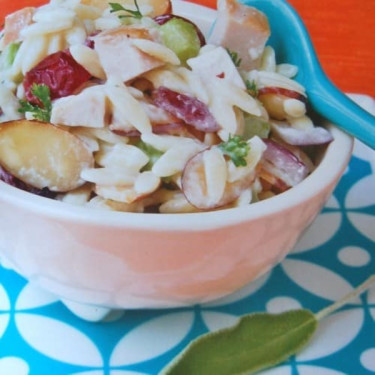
92	313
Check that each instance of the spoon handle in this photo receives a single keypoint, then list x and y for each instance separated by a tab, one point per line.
332	104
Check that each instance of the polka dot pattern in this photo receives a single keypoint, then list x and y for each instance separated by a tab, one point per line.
354	256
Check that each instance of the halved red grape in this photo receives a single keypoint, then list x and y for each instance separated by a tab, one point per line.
194	185
281	91
281	162
60	72
189	109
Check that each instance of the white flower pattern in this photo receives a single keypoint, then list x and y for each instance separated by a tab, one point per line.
13	366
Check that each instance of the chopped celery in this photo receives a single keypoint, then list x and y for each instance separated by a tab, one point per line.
181	37
151	152
8	55
256	126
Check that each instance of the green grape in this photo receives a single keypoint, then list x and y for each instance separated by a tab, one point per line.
181	37
256	126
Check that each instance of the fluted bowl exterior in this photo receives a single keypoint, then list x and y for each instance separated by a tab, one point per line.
129	260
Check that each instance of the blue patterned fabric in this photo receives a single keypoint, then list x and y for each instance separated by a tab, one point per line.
40	336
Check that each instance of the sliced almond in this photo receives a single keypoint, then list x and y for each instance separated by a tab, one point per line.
43	155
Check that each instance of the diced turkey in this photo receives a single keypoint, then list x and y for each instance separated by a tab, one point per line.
15	22
216	63
241	29
119	57
85	109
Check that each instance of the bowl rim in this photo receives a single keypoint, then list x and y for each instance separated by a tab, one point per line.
330	168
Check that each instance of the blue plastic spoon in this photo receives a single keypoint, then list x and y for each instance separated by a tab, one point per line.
292	44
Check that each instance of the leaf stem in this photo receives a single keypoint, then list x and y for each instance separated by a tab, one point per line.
343	301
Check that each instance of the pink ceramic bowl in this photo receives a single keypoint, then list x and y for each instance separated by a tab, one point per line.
129	260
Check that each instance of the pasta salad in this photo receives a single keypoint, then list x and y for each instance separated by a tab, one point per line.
127	107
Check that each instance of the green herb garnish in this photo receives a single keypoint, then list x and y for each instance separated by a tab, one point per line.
42	92
252	88
116	7
235	58
258	341
237	149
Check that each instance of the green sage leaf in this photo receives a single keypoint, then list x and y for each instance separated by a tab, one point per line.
256	342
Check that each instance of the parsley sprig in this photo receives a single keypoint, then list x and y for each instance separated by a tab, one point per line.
235	58
42	92
116	7
237	149
252	88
